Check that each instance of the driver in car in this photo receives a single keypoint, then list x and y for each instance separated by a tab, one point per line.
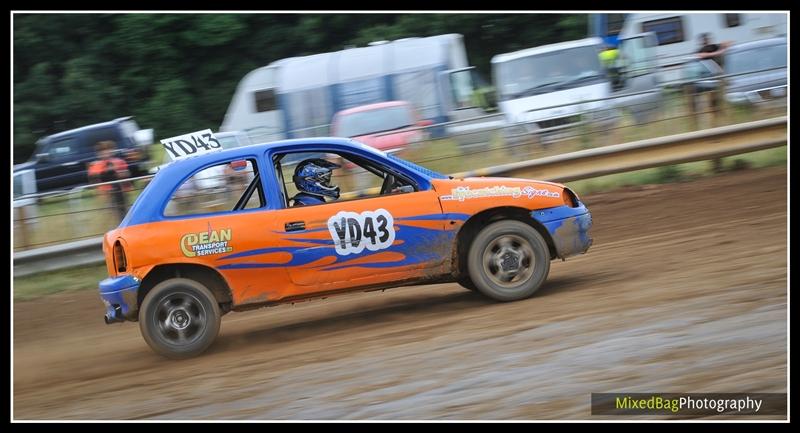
312	178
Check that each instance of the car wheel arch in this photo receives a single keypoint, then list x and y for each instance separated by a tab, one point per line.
473	225
204	275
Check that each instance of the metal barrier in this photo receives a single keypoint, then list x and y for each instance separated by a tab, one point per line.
675	149
692	146
61	256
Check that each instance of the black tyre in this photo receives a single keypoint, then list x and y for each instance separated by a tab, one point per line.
508	260
466	283
179	318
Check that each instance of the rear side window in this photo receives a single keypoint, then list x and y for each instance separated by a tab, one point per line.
218	188
732	20
667	30
265	100
63	149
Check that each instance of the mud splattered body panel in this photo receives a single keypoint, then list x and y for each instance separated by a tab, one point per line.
569	228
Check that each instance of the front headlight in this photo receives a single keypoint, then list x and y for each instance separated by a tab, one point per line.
515	130
571	198
736	97
602	114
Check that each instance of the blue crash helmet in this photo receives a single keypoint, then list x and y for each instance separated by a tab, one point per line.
313	176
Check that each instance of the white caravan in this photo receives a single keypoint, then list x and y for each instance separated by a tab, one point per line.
298	96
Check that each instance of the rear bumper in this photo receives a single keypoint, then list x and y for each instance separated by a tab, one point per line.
568	227
119	296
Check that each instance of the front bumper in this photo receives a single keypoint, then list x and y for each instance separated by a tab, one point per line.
119	296
757	96
568	227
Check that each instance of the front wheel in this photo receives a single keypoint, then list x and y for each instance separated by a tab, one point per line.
508	260
179	318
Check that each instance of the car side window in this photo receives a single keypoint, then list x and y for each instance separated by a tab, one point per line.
351	177
63	149
223	187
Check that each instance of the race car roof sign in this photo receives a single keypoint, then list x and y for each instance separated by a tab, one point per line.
192	144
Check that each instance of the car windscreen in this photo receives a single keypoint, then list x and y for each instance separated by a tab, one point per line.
547	72
755	59
696	69
129	128
41	147
374	121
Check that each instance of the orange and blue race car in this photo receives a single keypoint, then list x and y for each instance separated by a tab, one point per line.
230	231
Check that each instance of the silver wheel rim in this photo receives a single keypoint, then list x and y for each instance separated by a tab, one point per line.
181	318
509	260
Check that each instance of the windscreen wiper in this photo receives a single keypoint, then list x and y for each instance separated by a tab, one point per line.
535	89
578	80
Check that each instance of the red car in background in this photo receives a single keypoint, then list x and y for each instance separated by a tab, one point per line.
386	126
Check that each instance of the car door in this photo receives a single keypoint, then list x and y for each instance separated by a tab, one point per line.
364	241
457	88
59	165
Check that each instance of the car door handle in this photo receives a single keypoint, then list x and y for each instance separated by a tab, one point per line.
69	163
295	226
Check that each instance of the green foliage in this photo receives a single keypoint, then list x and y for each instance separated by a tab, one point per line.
177	72
668	174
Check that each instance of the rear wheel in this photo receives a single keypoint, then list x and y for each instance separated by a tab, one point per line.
179	318
508	260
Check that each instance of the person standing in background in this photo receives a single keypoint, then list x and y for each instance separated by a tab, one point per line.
608	58
108	168
715	52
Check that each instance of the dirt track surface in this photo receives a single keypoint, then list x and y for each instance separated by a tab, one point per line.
684	290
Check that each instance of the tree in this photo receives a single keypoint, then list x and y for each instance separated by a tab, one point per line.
177	72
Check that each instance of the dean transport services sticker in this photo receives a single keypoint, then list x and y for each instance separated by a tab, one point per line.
206	243
352	232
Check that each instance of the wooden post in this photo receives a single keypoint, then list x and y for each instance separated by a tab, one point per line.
717	113
20	215
691	100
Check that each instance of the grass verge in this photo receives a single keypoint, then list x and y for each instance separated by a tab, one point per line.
680	172
34	286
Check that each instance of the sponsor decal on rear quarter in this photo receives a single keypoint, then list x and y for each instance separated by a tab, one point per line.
206	243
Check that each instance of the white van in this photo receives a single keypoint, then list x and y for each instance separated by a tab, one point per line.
532	84
553	86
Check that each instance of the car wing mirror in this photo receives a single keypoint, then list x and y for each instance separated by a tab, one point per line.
404	189
44	156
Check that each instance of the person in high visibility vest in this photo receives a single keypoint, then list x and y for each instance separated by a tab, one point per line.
608	58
